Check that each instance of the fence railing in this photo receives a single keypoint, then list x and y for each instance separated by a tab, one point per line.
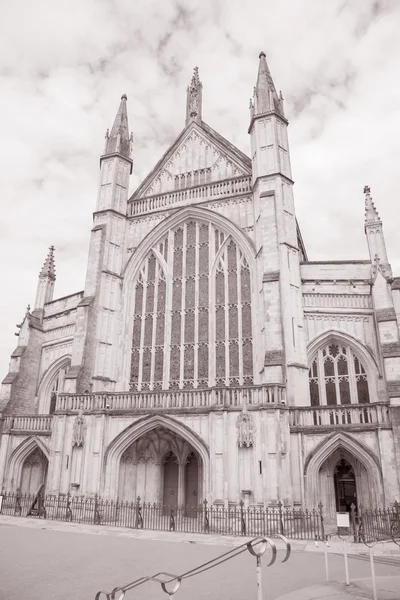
376	524
36	423
202	518
252	395
351	414
208	191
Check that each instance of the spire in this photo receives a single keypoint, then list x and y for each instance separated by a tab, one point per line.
119	141
194	99
265	97
49	268
371	214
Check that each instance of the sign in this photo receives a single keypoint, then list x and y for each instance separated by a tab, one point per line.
1	502
343	519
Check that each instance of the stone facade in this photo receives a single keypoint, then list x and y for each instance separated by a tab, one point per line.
207	357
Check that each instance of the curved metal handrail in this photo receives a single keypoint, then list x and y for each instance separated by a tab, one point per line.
165	579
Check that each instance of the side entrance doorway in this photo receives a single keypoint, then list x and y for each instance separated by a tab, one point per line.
345	486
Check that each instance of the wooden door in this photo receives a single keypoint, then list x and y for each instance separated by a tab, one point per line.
191	485
170	495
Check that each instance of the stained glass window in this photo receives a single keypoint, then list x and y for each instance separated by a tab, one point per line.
337	376
192	321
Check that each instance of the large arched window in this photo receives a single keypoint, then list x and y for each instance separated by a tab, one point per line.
337	376
192	312
52	384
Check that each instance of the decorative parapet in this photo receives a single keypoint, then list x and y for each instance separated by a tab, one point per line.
201	193
59	332
39	424
337	300
263	395
358	416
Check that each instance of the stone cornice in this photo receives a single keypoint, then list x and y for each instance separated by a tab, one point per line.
391	350
385	314
271	276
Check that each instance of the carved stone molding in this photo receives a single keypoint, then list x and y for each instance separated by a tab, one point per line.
273	358
385	314
393	388
391	350
345	318
271	276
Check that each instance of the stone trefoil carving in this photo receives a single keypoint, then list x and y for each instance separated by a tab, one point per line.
79	431
246	429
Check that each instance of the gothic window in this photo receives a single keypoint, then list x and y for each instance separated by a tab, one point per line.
56	387
337	376
192	321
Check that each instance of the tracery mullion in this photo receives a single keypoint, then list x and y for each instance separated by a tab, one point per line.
227	333
212	304
142	330
352	378
336	376
183	306
196	307
168	310
155	319
321	378
239	304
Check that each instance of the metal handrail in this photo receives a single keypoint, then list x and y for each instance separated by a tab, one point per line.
166	579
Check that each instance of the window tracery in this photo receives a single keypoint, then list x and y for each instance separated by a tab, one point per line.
192	322
337	376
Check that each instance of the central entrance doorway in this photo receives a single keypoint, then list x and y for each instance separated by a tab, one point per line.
345	486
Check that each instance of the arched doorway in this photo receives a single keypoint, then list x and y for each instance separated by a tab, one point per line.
161	467
34	472
345	486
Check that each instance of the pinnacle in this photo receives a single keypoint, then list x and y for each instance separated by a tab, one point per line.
371	214
118	138
49	269
194	98
265	97
195	77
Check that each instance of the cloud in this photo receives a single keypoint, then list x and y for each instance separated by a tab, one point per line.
64	66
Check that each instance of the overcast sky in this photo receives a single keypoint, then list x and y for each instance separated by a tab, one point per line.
65	65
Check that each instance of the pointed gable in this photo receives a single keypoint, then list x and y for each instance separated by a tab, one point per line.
199	155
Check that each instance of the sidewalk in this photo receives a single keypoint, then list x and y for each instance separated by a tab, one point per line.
335	545
388	588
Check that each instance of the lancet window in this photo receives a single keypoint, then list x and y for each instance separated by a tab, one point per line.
192	312
337	376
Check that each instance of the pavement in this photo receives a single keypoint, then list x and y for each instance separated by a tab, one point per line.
83	558
388	588
334	546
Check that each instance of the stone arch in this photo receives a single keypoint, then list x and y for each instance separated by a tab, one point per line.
47	380
146	246
140	428
325	449
365	357
363	352
18	457
174	220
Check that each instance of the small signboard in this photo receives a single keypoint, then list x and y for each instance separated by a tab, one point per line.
1	502
343	520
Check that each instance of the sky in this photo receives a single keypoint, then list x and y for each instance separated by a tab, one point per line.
65	65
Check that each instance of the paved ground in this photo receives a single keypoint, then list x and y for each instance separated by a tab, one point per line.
42	563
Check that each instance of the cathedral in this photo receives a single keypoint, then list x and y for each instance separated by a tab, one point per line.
207	358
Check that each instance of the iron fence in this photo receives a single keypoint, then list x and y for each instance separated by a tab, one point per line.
203	518
377	524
